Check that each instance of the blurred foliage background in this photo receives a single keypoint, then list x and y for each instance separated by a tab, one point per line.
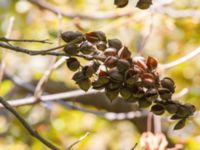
169	37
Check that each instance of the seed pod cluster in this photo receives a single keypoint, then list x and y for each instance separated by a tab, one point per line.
112	68
142	4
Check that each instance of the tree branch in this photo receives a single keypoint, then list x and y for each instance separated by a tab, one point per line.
95	16
182	59
4	39
33	132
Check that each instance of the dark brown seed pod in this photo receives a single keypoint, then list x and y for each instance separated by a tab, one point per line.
140	62
168	83
115	43
180	124
110	62
112	86
152	63
143	103
100	82
88	71
191	108
121	3
115	75
112	94
95	36
86	48
171	107
151	95
69	36
176	117
110	52
124	53
101	45
125	92
73	64
164	93
157	109
144	4
71	49
183	111
84	84
123	65
132	99
96	65
78	76
131	77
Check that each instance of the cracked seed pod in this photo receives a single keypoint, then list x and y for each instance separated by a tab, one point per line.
121	3
110	52
84	84
144	4
115	43
73	64
136	79
168	83
115	75
95	36
123	65
171	107
69	36
86	48
110	62
157	109
101	45
152	63
143	103
71	49
125	92
112	94
180	124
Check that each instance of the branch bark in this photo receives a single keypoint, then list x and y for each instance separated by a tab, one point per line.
32	132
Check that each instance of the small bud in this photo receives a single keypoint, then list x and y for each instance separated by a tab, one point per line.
121	3
115	43
124	53
69	36
73	64
152	63
110	52
101	45
157	109
168	83
86	48
110	61
123	65
180	124
95	36
71	49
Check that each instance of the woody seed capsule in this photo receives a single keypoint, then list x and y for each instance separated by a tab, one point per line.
73	64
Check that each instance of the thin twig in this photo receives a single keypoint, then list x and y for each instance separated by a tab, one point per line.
95	16
78	141
4	39
134	146
4	53
182	59
33	132
149	121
